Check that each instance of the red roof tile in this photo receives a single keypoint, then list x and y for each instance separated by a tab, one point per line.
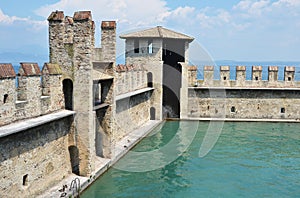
108	24
29	69
7	70
50	68
56	16
82	16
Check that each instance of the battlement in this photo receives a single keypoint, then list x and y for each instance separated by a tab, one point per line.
66	40
240	77
31	92
130	78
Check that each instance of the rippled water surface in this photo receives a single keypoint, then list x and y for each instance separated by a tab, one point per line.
248	160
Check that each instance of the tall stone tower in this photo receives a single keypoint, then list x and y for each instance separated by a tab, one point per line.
108	41
160	51
71	43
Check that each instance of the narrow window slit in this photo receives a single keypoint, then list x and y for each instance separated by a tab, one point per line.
232	109
5	98
25	180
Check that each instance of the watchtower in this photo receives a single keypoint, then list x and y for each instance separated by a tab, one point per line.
160	51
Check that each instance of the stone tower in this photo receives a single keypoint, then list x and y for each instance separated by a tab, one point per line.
108	41
163	53
71	43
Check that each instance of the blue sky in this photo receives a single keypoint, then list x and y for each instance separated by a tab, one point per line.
245	30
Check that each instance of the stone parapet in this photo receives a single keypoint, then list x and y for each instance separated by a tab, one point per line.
240	77
129	78
32	93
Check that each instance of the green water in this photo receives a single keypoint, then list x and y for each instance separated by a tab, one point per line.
248	160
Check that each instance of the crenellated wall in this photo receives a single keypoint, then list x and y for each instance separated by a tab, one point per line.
133	99
129	78
37	92
240	77
105	102
241	98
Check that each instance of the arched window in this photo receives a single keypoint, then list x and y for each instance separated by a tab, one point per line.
68	93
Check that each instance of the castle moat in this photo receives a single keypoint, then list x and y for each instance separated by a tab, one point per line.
250	159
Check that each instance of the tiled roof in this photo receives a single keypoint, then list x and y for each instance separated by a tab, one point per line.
82	16
108	24
124	68
51	68
7	70
29	69
56	16
157	32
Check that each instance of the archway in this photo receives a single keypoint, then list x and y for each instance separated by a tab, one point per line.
68	93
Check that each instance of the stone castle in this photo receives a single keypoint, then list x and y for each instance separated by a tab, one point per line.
64	119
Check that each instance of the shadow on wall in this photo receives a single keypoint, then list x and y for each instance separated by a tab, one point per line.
74	157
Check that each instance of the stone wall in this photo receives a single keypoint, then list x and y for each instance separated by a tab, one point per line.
34	159
153	64
130	114
7	102
61	42
132	111
244	103
108	41
31	94
83	89
241	98
240	77
129	78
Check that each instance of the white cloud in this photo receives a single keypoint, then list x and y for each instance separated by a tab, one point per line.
212	18
5	19
224	16
133	13
180	12
32	24
254	8
287	3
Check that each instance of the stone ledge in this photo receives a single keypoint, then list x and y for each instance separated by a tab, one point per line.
45	97
238	119
33	122
100	106
250	88
21	101
133	93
